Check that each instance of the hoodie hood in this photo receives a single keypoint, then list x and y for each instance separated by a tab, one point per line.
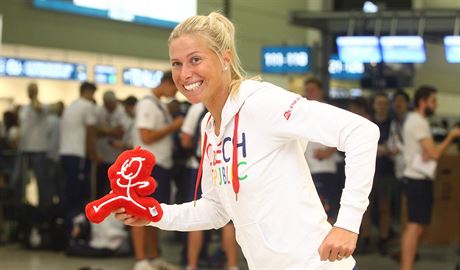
230	111
235	102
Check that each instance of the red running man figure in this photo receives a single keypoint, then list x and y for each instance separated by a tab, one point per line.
131	182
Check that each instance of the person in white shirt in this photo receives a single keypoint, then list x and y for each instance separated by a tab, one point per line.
33	147
253	167
153	129
419	150
129	104
77	147
321	161
111	126
126	142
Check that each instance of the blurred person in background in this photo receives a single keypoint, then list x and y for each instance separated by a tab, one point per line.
420	152
33	147
400	107
360	106
384	182
153	131
55	172
110	127
10	130
77	148
129	104
126	142
321	160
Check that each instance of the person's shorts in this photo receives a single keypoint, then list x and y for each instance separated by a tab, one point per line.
163	178
419	200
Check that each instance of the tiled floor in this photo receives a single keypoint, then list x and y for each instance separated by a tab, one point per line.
12	257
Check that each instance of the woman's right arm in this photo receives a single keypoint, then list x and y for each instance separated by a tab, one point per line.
208	213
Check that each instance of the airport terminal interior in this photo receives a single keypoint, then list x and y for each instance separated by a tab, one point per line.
82	81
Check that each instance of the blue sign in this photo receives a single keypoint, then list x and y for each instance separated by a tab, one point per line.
162	13
364	49
140	77
31	68
344	71
104	74
403	49
295	59
452	48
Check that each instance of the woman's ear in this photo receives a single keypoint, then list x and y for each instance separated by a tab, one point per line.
227	57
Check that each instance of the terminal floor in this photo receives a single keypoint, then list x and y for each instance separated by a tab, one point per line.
12	257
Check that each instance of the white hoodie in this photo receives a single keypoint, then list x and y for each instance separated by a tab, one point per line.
279	220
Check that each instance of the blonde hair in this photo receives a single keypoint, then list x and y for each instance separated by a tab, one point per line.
220	34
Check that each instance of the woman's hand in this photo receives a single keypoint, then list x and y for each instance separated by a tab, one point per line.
128	219
338	244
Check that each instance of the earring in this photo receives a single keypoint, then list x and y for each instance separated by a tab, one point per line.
226	67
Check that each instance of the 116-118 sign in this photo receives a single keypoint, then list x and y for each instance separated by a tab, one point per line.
286	59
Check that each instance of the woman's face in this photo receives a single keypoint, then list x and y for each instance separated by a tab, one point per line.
197	71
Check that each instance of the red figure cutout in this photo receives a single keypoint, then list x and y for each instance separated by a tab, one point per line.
131	182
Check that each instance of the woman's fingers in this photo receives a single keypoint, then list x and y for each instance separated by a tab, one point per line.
119	211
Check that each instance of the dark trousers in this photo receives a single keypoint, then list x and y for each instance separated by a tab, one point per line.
34	163
77	187
102	181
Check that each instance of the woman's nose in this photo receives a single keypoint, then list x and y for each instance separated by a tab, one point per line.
186	72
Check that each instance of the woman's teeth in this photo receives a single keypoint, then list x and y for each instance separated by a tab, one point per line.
193	86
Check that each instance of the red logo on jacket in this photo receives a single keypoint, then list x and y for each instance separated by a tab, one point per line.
287	114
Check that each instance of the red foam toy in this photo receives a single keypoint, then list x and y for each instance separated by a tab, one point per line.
131	183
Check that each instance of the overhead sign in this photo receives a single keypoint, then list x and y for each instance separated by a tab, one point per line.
403	49
32	68
162	13
344	71
295	59
140	77
452	47
105	74
364	49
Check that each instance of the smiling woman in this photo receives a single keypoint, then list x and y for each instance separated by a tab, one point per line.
256	133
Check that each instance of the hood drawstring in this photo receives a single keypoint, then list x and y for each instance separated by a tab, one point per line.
200	169
235	178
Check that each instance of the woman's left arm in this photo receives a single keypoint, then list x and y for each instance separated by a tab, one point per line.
334	127
358	138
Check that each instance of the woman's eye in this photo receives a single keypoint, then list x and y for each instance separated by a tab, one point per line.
175	64
196	60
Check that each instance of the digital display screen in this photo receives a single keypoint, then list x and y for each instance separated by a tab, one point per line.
161	13
295	59
140	77
403	49
452	48
32	68
344	71
105	74
363	49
